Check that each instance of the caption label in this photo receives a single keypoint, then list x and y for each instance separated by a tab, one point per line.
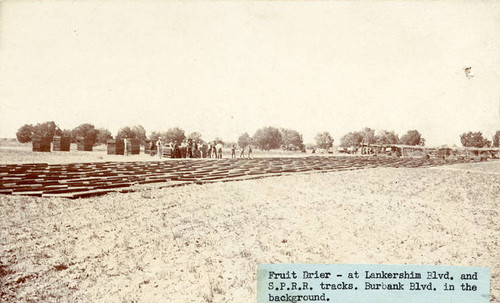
371	283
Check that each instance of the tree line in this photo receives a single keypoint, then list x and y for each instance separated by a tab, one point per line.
265	138
367	136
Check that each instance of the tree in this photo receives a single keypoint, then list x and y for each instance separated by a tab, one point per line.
175	135
387	137
244	140
135	132
323	140
103	135
139	132
474	139
412	137
47	130
496	139
196	137
291	139
25	133
67	133
267	138
368	135
85	130
351	139
125	132
155	135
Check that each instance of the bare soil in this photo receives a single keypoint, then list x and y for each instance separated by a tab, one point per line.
203	243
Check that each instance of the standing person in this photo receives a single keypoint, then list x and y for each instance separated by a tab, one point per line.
214	150
152	149
189	149
249	151
209	150
159	147
219	150
242	154
125	146
233	152
177	150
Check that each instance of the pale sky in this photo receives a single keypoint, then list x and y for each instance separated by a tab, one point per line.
224	68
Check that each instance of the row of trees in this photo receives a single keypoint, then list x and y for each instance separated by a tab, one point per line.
178	135
367	136
265	138
97	136
102	135
476	139
268	138
412	137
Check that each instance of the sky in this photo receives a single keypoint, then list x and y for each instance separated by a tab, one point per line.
224	68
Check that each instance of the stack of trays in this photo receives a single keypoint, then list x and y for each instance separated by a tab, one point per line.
41	144
84	144
61	143
134	146
115	147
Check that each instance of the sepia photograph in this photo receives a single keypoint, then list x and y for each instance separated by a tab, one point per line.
160	151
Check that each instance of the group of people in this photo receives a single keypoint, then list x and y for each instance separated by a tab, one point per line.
242	154
214	150
191	149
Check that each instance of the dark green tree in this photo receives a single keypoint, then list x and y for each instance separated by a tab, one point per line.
244	140
134	132
412	137
196	137
25	133
351	139
103	135
474	139
47	130
175	134
323	140
85	130
496	139
368	135
387	137
291	139
267	138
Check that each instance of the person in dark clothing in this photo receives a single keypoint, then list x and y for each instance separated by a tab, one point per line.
153	148
177	151
233	152
214	151
189	148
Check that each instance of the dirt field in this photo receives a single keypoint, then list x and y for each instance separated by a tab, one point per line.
203	243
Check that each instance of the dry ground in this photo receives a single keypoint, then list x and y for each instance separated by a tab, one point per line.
203	243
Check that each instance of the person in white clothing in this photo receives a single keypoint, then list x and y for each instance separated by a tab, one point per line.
219	150
125	146
159	147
